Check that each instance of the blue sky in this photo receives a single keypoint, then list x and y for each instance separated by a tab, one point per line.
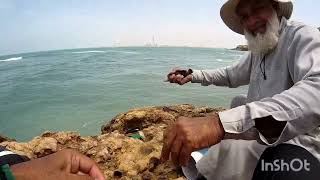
38	25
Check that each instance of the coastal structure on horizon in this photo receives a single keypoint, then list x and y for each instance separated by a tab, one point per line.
152	43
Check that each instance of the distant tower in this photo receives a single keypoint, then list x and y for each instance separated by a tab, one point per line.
154	44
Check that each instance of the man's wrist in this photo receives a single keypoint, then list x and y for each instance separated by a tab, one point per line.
20	171
218	126
221	127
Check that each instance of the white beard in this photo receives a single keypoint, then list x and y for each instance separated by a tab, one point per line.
264	43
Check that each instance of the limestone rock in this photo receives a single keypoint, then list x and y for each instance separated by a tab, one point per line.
241	48
5	138
145	117
118	155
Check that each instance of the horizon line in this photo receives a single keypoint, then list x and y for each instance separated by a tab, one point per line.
133	46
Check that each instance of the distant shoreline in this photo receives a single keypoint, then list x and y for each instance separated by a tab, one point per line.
89	48
241	48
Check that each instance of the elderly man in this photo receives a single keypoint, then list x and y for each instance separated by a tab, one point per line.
282	104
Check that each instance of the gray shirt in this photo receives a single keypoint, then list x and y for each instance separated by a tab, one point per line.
290	92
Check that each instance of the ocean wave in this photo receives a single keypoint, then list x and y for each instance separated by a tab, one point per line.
219	60
108	51
86	52
11	59
124	52
147	58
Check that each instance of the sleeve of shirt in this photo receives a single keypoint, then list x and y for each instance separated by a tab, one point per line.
9	157
298	106
232	76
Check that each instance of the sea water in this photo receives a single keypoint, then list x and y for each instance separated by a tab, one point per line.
81	89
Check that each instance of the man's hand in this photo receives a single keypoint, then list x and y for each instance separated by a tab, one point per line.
180	76
188	135
63	165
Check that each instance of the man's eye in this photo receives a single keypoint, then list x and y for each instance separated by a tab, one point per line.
258	8
244	17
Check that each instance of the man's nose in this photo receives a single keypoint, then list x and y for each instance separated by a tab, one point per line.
251	21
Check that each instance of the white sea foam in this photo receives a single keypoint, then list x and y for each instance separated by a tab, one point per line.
124	52
85	125
85	52
219	60
108	51
148	58
11	59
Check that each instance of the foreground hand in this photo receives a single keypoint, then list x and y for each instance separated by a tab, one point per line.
190	134
63	165
180	76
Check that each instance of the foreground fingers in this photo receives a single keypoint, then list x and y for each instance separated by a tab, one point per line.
172	72
191	134
185	80
175	150
172	78
78	177
178	79
168	139
185	155
81	163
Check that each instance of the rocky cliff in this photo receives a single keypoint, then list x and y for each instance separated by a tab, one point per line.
241	48
5	138
129	146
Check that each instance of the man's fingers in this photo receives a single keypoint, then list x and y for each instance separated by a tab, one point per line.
175	151
169	76
78	177
172	72
185	80
96	173
178	79
172	78
168	139
88	166
79	162
179	76
185	155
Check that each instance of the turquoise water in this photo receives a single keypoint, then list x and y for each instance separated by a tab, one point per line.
80	89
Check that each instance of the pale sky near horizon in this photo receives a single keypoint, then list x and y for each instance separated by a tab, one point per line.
39	25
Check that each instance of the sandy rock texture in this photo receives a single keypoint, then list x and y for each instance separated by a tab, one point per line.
241	48
5	138
129	146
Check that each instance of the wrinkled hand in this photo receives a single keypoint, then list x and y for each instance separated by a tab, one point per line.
180	76
63	165
190	134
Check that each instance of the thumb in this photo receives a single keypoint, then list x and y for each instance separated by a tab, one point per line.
186	79
78	177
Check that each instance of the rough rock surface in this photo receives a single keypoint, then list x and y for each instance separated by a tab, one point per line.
241	48
5	138
118	154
